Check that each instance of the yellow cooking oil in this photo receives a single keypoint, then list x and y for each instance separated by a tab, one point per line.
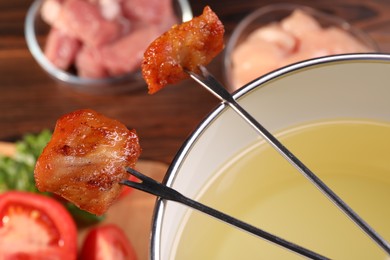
260	187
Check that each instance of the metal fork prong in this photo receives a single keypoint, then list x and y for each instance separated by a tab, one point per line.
151	186
145	186
208	81
139	175
133	184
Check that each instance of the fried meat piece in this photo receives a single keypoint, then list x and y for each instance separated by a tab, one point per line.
185	47
85	160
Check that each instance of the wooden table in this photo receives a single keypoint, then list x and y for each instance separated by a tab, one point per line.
30	100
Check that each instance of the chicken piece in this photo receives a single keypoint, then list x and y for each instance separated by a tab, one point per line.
299	24
338	41
273	33
254	58
110	9
325	42
85	160
261	52
184	47
296	38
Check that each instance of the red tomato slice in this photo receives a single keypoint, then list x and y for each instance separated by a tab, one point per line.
107	242
34	226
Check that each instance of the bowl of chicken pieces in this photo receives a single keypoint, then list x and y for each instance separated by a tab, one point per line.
97	46
277	35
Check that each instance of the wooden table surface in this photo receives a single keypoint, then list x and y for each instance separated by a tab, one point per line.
30	100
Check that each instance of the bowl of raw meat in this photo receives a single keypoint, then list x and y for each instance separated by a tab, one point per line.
97	46
277	35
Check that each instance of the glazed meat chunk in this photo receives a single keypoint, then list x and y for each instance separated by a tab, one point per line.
184	47
86	158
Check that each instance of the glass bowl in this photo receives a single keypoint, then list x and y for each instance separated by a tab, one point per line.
213	166
267	61
36	31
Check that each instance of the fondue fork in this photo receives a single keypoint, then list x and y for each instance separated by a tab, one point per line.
207	81
154	187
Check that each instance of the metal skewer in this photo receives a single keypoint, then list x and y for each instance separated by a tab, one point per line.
211	84
154	187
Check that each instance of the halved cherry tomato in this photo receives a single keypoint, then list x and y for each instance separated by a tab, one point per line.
107	242
34	226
